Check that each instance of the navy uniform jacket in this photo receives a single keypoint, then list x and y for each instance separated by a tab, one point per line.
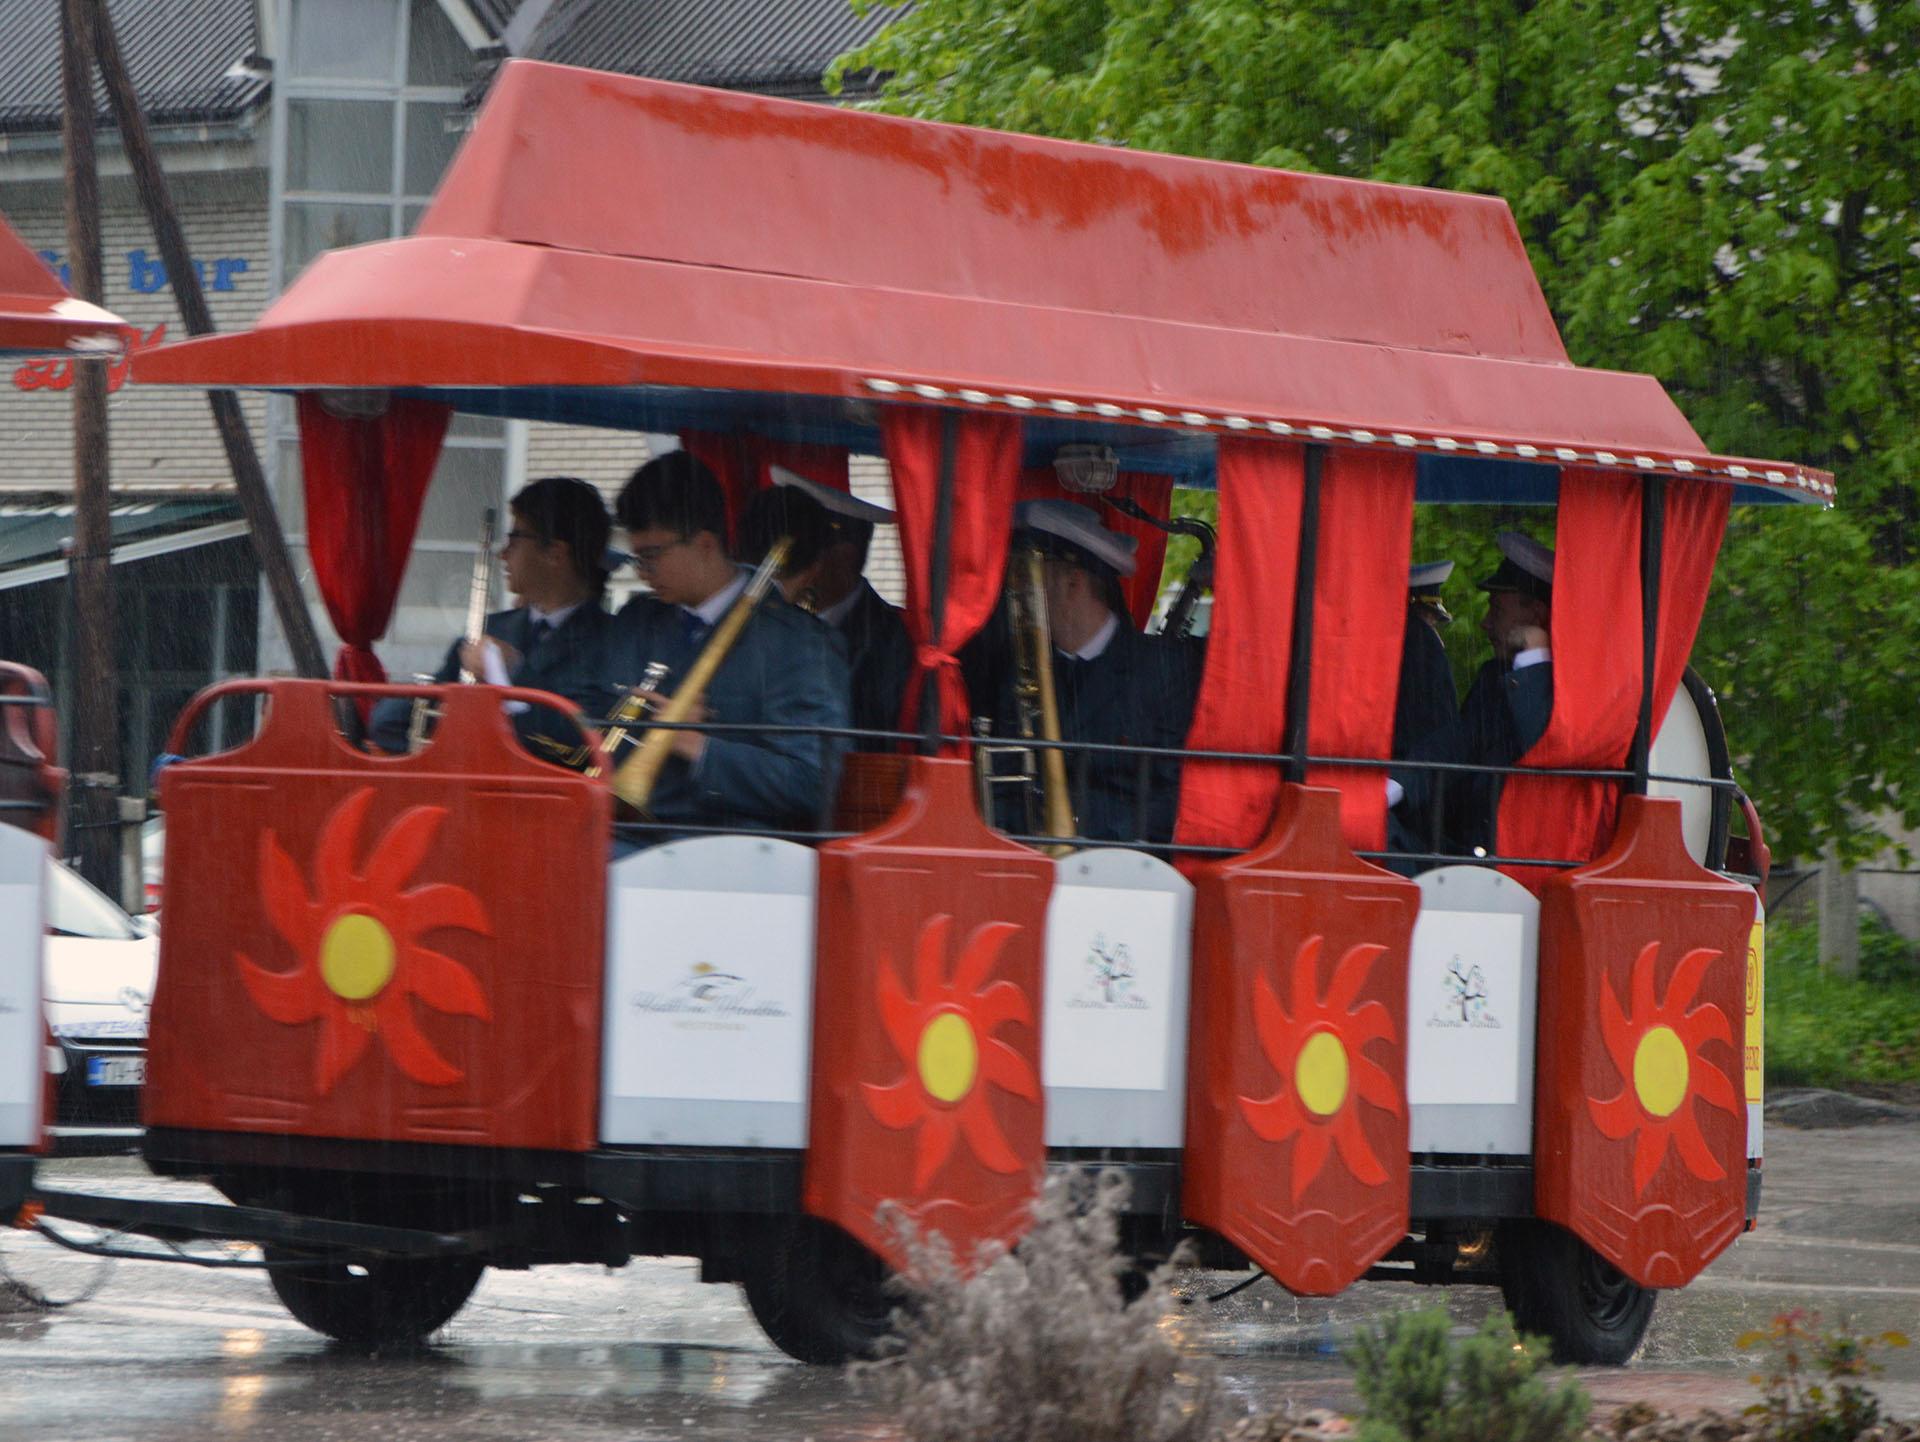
1505	713
571	661
1140	691
880	656
785	669
1426	727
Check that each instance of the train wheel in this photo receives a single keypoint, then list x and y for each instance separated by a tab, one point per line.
1559	1287
377	1302
818	1294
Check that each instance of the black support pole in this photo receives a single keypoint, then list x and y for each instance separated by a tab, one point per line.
937	579
1300	656
1653	529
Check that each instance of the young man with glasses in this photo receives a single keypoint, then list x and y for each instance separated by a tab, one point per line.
783	670
554	557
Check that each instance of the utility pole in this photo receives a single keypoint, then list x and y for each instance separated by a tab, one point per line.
96	709
249	481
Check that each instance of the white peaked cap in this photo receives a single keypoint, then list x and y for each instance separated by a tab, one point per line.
1526	553
1079	526
834	500
1429	575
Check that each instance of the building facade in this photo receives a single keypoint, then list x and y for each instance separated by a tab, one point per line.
290	127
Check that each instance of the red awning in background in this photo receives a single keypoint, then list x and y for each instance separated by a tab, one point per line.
597	230
38	317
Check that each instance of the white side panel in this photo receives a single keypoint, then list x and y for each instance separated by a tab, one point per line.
23	933
1114	1024
1471	1003
709	1001
1680	749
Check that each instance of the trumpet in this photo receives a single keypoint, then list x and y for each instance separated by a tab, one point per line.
1035	703
630	711
479	597
636	776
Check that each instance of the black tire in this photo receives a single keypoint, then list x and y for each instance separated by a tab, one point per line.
377	1302
1558	1287
818	1294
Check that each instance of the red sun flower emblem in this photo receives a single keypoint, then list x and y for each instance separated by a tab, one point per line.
944	1034
1656	1050
1318	1051
358	942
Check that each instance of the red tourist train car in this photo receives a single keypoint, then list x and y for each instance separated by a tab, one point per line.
37	318
423	1016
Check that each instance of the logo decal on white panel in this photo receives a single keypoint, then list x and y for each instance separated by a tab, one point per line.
1463	995
1112	983
1110	970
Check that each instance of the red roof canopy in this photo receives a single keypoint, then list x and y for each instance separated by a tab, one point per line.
597	230
38	317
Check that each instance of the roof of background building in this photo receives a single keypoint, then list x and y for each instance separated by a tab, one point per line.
183	58
779	47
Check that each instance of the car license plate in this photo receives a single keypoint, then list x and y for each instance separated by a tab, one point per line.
116	1071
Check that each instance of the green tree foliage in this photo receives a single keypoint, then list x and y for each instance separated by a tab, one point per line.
1722	194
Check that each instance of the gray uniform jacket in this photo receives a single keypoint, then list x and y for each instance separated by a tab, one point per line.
785	669
570	660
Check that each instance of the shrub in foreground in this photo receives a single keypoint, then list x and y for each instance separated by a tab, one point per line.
1418	1385
1060	1340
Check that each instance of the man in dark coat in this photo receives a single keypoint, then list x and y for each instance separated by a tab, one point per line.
1114	685
783	670
831	532
1511	701
554	556
1426	716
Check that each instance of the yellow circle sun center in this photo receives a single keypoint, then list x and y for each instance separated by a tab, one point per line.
1320	1074
949	1057
1660	1071
356	957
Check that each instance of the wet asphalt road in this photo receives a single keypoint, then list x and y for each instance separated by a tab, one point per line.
161	1353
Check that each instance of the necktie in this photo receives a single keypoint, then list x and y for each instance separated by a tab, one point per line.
693	630
536	633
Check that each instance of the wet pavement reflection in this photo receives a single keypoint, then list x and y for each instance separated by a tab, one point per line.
170	1352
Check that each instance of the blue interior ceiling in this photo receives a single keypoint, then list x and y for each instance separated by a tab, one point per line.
1186	455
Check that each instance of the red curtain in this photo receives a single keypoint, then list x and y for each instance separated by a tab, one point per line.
1243	695
365	478
1596	676
986	477
1359	622
1153	494
740	463
1695	522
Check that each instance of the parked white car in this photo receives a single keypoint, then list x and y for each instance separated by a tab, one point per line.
100	967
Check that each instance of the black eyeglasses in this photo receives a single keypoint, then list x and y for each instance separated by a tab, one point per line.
646	558
513	536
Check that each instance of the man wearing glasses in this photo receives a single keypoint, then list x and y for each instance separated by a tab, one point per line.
555	563
784	669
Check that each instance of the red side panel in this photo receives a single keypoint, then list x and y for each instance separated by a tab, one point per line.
1296	1100
926	1042
392	949
1640	1135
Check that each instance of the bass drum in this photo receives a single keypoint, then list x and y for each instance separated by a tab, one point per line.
1692	743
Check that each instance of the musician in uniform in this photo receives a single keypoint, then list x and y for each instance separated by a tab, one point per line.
1113	685
555	559
1426	717
1511	699
826	574
784	668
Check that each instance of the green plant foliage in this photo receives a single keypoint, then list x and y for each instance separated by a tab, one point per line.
1828	1030
1812	1386
1721	194
1418	1385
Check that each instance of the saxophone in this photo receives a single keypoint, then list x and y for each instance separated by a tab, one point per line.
635	777
479	597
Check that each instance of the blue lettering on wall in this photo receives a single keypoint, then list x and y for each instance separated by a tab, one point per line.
147	274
